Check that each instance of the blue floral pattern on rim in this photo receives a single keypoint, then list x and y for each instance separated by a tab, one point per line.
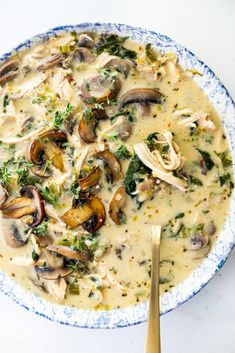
225	107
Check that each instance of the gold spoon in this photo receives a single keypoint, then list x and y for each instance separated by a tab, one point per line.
153	342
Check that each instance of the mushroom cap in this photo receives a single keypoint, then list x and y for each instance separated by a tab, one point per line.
83	55
37	148
88	123
8	70
13	236
116	205
140	95
118	64
84	40
70	253
91	179
100	88
33	193
18	207
91	215
98	218
52	274
53	61
112	166
3	195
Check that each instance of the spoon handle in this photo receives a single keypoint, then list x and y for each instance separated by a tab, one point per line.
153	343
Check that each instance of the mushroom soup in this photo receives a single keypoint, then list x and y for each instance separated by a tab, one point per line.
102	137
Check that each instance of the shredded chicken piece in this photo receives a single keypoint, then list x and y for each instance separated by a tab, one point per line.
189	117
80	159
23	261
173	72
174	159
151	161
28	85
57	287
26	137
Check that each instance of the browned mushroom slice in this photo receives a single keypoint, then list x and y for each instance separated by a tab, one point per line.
90	215
117	204
118	64
53	61
18	207
14	237
98	219
33	194
76	215
90	180
50	273
3	195
88	124
112	166
140	95
100	88
45	147
8	70
66	251
86	41
83	55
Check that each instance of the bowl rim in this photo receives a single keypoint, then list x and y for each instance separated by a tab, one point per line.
186	289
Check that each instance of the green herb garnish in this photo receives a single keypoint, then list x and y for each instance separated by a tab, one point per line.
150	53
60	117
113	44
122	153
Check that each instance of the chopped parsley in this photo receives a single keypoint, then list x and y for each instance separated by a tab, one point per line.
5	173
42	229
226	162
6	102
113	44
47	194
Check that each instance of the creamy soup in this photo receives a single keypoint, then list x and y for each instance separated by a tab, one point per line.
102	137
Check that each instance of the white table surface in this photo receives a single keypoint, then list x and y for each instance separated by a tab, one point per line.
206	324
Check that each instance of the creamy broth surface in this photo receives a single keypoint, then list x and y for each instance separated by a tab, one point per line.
101	138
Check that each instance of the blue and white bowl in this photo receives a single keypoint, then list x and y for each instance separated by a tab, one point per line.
225	107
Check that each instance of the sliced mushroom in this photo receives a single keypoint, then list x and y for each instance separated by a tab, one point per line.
34	195
8	70
140	95
117	204
146	188
14	237
70	122
26	126
53	260
88	124
45	147
90	215
3	195
112	166
53	61
66	251
84	40
76	215
197	241
52	274
98	219
91	179
118	64
83	55
18	207
100	87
